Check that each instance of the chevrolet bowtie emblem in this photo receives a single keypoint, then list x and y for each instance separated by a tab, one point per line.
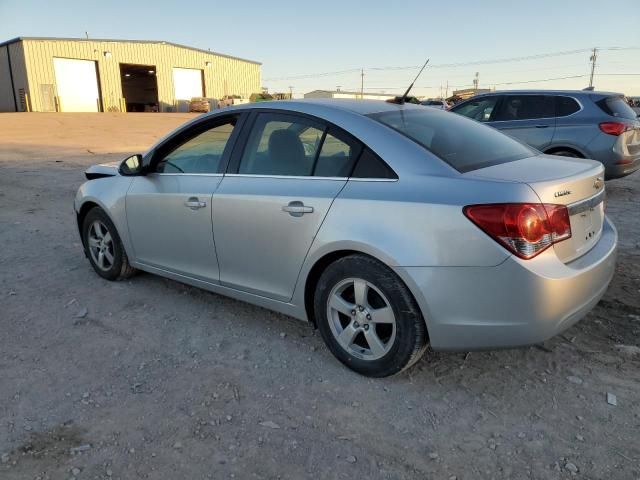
598	183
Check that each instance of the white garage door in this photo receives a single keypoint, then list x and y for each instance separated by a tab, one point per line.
187	83
77	85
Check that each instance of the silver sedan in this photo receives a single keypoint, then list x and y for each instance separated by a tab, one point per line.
388	227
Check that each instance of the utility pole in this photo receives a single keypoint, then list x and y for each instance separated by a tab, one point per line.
290	92
593	65
361	83
447	90
475	82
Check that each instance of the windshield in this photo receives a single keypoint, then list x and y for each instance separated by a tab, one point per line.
464	144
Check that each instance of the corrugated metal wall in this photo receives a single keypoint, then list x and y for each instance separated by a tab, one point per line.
15	52
223	76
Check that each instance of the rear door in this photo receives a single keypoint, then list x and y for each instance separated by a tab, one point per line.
169	210
274	198
528	118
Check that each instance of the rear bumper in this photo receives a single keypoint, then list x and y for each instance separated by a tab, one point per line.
615	170
516	303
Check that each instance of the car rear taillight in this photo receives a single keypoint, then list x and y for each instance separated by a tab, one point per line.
614	128
525	229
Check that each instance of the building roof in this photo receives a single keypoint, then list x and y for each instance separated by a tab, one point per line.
352	93
112	40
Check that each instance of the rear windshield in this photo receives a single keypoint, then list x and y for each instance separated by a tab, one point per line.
617	107
463	143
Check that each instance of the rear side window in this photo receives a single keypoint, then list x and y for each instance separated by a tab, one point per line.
371	165
337	155
616	107
525	107
566	106
463	144
291	145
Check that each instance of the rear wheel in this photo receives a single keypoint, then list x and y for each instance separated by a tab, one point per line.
104	247
566	153
368	318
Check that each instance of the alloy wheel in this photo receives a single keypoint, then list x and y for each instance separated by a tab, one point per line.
361	319
101	245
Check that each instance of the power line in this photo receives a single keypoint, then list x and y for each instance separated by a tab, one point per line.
452	65
490	83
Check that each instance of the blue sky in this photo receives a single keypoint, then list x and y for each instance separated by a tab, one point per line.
293	38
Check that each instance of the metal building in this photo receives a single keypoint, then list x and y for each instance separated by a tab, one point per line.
344	94
86	75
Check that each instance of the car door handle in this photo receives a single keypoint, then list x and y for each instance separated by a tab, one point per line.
297	209
542	126
194	203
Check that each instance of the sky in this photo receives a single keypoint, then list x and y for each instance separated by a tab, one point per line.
323	45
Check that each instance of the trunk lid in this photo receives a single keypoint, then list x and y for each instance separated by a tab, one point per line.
574	182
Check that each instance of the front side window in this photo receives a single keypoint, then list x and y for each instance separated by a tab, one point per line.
463	144
525	107
201	153
480	109
281	144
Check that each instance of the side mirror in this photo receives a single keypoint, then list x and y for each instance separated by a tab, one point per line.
131	166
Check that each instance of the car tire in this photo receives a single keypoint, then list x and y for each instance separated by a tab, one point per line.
566	153
368	317
103	246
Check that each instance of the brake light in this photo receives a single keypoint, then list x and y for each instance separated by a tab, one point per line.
614	128
525	229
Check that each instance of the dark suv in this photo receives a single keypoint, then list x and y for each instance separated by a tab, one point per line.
585	124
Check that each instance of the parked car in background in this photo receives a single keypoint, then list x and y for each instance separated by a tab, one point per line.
584	124
387	226
199	105
635	104
435	103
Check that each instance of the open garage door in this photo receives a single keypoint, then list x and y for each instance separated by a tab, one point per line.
139	87
187	83
77	85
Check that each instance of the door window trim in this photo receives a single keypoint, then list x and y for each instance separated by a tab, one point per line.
555	116
233	164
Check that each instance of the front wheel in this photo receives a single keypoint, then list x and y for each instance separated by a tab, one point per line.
368	317
104	247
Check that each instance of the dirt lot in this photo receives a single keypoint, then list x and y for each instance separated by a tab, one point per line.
154	379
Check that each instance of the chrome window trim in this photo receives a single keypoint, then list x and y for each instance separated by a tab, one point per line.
586	204
187	174
541	118
297	177
282	177
309	177
372	179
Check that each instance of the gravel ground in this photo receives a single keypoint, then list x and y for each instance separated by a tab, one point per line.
153	379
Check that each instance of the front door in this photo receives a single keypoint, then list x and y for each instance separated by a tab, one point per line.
169	211
268	211
528	118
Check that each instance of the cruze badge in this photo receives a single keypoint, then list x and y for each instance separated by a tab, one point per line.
562	193
598	183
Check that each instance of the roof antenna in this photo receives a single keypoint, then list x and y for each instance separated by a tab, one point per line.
401	100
